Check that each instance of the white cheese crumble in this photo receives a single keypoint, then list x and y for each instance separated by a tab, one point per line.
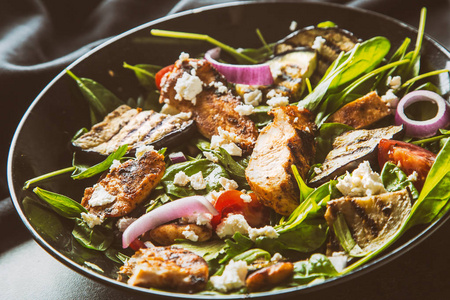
318	43
246	198
181	179
213	196
276	69
244	109
190	234
232	149
188	87
278	101
184	115
276	257
115	164
253	98
100	196
362	182
233	276
394	82
197	181
227	140
201	219
413	176
293	26
390	99
91	220
124	222
168	109
183	56
142	149
228	184
222	89
232	224
211	157
266	231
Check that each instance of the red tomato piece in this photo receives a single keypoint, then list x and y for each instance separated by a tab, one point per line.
230	201
160	75
408	158
137	244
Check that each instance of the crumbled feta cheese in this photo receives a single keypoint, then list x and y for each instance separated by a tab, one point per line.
317	170
278	101
184	115
115	164
168	109
211	157
91	220
183	56
413	176
233	276
188	87
318	43
246	198
194	65
276	69
232	149
100	196
228	184
276	257
267	231
227	141
293	26
222	89
390	99
244	110
197	181
232	224
213	195
362	182
253	98
149	244
190	234
394	82
142	149
199	218
124	222
181	179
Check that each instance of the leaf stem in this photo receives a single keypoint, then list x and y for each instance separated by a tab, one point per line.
48	175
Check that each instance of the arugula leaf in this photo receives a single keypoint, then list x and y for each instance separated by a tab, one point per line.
98	238
394	179
62	205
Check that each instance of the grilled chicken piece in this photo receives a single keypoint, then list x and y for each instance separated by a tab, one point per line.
372	219
125	186
105	130
350	149
133	127
212	105
166	268
362	112
269	277
288	141
167	234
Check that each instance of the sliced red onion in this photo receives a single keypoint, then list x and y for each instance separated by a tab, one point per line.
177	157
242	74
170	211
427	128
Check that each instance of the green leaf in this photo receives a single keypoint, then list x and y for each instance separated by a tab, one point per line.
82	171
98	238
252	255
305	190
209	250
394	179
326	24
325	138
318	266
62	205
239	244
145	74
260	116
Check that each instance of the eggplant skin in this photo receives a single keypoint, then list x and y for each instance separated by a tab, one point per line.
350	149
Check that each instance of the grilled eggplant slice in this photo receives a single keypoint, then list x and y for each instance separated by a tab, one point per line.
289	71
371	220
135	128
350	149
336	40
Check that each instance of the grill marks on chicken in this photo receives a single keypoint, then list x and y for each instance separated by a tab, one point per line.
288	141
126	186
167	268
214	105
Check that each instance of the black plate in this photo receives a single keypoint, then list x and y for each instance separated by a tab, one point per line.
41	142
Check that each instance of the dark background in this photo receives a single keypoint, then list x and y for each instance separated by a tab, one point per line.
38	38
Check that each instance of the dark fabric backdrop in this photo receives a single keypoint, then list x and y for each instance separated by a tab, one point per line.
38	38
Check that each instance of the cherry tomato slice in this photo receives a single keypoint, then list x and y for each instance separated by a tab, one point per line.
160	74
408	157
137	244
230	201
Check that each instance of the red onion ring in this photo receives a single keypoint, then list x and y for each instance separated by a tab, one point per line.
427	128
242	74
170	211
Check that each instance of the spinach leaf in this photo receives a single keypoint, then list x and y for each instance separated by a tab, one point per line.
237	245
260	116
324	140
317	267
101	100
82	171
211	173
209	250
251	255
304	189
98	238
145	74
394	179
62	205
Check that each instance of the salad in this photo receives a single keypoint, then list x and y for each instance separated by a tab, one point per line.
246	170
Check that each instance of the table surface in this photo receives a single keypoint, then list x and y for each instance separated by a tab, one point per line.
29	272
